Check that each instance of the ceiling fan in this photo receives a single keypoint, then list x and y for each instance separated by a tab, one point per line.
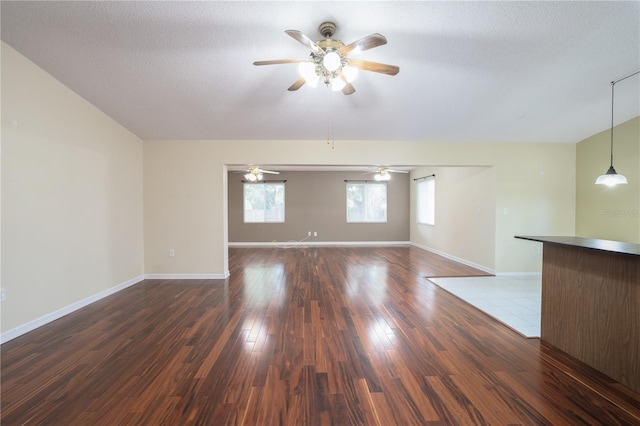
254	174
384	173
329	60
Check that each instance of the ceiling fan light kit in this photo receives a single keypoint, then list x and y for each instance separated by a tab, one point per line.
329	60
382	176
255	174
253	177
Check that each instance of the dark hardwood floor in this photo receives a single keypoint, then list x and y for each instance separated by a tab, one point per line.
340	336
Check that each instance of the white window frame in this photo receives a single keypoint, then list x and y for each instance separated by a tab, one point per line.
426	201
367	213
265	216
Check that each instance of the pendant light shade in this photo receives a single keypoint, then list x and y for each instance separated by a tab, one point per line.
611	177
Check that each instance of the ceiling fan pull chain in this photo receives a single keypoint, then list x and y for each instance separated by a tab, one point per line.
330	131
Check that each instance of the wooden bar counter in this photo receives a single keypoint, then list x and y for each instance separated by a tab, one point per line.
591	303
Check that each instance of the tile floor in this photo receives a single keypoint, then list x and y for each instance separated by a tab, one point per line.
511	299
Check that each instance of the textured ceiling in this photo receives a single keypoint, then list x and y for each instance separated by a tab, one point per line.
469	71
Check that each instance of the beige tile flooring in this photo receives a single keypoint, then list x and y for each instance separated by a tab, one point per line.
513	300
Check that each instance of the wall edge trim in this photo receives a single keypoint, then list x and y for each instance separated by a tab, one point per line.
59	313
187	276
301	244
519	274
455	258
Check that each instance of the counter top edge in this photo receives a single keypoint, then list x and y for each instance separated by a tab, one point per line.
588	243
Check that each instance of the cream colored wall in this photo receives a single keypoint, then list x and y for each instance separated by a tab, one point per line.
185	209
71	196
611	213
537	187
527	190
465	214
185	191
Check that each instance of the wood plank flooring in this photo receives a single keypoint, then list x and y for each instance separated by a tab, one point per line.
342	336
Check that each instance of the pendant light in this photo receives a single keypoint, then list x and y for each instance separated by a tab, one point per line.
611	177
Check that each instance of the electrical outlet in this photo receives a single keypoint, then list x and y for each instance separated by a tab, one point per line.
308	233
172	252
3	295
315	233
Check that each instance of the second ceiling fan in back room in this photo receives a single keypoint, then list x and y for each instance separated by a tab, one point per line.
384	173
254	174
329	60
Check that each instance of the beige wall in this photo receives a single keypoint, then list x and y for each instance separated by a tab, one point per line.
185	191
316	201
611	213
527	190
535	195
71	196
185	188
465	214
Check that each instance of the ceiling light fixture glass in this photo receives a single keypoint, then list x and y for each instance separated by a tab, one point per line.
337	84
350	73
308	72
332	61
330	67
253	177
611	177
382	176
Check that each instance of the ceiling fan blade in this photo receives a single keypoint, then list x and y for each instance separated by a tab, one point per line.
310	44
374	66
397	171
297	84
268	171
348	88
368	42
279	61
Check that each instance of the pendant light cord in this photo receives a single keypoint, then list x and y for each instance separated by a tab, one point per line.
613	83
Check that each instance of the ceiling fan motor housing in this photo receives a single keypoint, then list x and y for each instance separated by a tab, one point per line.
327	29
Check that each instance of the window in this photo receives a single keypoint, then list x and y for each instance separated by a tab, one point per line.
426	201
366	202
263	202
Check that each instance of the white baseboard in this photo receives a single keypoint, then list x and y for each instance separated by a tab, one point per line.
519	274
45	319
187	276
456	259
293	244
